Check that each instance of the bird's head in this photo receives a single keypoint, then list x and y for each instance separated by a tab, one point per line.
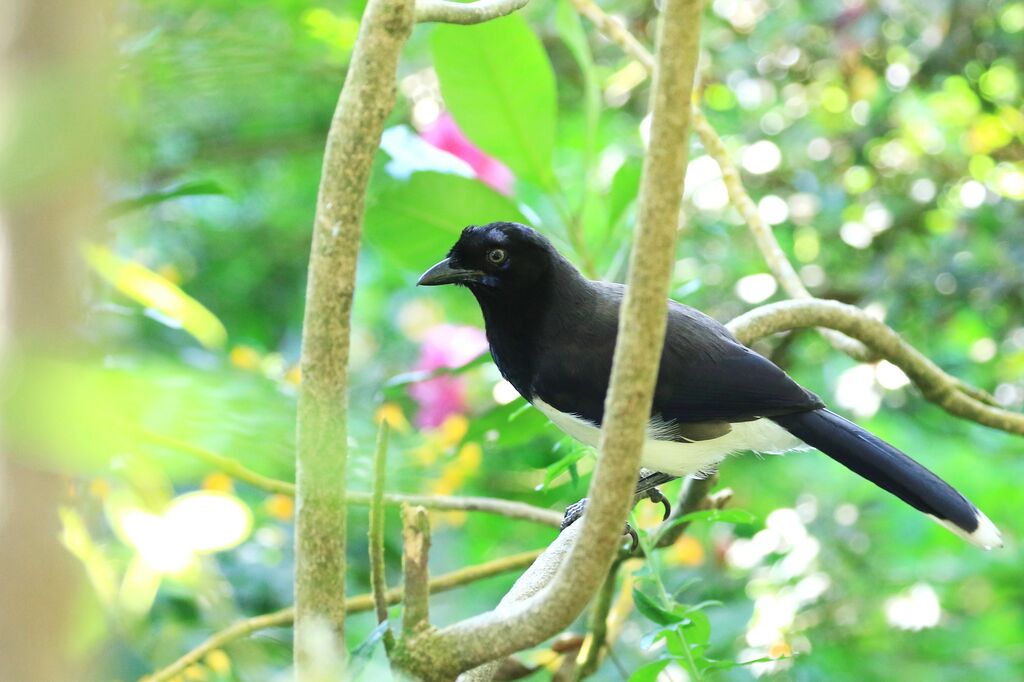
499	258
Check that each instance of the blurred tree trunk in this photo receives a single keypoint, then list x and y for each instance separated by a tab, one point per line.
46	197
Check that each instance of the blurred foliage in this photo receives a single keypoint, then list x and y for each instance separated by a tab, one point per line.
885	142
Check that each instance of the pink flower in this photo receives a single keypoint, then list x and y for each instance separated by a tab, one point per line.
446	346
444	134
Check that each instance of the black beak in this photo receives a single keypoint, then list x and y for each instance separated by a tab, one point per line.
444	273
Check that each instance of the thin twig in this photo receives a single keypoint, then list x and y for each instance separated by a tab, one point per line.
378	582
589	657
935	385
477	12
490	505
227	465
358	604
416	551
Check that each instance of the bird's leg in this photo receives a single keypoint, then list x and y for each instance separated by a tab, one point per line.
646	489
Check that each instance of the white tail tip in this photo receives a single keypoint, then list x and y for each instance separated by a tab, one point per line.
986	535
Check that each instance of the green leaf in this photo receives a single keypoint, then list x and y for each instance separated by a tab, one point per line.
186	189
652	610
499	85
362	653
649	672
413	222
738	516
150	289
565	463
624	190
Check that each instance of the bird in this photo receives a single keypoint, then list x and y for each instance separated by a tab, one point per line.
552	334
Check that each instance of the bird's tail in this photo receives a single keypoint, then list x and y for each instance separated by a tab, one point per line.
890	469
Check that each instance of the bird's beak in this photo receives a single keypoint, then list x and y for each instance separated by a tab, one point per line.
444	273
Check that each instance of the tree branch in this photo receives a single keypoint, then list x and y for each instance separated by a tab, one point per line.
465	13
358	604
322	434
378	582
490	505
936	386
416	551
441	654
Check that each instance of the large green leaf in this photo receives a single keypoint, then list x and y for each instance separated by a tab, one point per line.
415	221
499	85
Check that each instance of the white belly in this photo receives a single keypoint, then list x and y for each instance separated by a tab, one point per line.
686	459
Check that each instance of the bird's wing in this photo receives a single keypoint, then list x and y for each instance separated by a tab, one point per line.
706	380
706	374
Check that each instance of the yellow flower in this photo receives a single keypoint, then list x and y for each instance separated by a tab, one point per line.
393	415
688	551
218	662
469	457
244	357
780	649
99	488
452	430
293	376
280	507
170	273
218	481
195	672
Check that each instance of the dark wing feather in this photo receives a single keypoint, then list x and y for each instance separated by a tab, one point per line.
706	379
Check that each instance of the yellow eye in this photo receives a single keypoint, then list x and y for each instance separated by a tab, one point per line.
497	256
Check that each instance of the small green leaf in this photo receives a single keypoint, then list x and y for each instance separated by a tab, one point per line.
624	190
652	610
362	653
499	85
649	672
565	463
185	189
738	516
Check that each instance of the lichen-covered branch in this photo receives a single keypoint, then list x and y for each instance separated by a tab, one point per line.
358	604
448	12
415	553
936	386
378	583
441	654
366	99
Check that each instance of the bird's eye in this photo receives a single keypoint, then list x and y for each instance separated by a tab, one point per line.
497	256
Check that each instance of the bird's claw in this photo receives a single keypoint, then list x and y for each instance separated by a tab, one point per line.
574	512
656	496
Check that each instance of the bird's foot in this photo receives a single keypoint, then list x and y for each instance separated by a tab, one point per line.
574	512
656	496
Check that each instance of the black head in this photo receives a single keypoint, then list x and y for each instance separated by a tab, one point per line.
497	257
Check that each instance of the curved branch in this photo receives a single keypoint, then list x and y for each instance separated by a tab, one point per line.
465	13
490	505
936	386
442	654
357	604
